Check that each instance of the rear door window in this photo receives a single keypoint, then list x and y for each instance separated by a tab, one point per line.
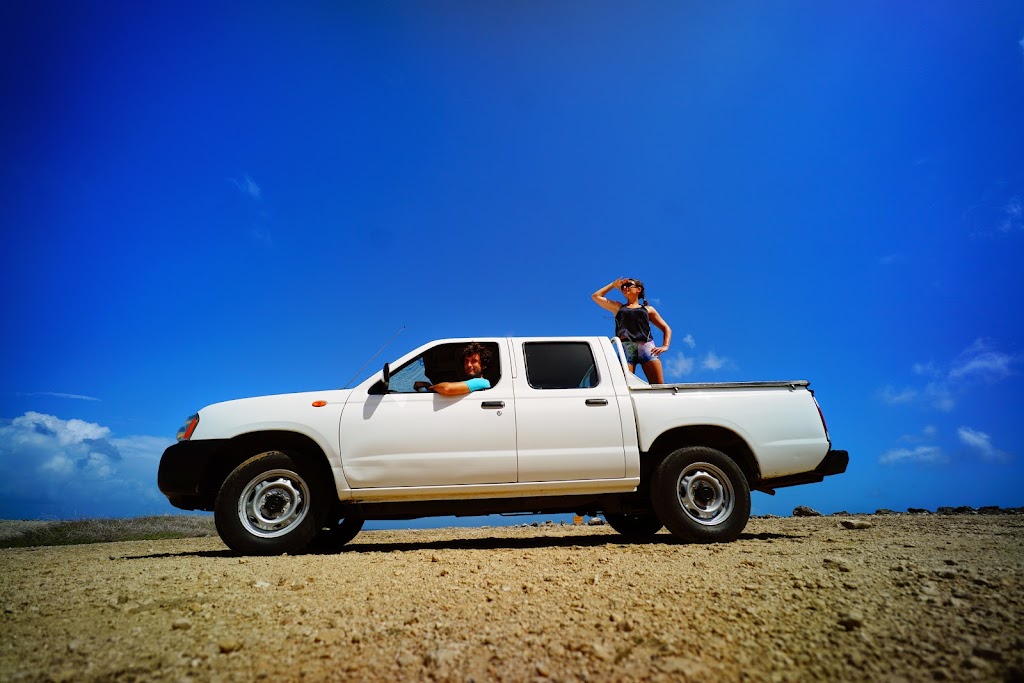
560	365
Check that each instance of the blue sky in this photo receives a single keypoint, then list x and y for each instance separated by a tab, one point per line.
203	201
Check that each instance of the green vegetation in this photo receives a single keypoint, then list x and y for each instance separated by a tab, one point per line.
73	532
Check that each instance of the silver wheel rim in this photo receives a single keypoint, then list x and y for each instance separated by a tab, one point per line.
706	494
273	503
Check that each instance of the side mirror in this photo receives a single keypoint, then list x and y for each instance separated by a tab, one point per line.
387	374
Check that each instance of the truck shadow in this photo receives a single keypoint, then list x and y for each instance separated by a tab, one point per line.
489	543
537	542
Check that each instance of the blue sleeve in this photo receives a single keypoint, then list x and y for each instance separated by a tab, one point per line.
478	383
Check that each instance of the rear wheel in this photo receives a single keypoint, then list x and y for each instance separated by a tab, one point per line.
335	535
634	526
272	503
701	495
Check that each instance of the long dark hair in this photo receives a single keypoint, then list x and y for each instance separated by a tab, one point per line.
643	292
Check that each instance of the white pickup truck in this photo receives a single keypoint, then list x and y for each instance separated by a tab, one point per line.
563	428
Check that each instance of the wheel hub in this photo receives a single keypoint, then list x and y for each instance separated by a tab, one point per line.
273	503
706	494
703	494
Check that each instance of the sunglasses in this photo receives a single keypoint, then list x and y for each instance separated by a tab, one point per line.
627	285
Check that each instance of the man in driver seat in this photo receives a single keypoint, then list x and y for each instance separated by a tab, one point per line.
475	359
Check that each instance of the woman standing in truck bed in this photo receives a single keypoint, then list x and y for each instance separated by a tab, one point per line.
633	326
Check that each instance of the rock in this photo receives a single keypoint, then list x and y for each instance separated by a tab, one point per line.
987	653
856	524
595	521
804	511
961	510
442	656
406	658
918	511
229	645
689	669
836	563
851	620
181	625
885	511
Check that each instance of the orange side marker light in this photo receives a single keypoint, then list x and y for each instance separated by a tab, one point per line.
319	404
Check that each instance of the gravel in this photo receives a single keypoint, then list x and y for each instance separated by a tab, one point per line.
902	598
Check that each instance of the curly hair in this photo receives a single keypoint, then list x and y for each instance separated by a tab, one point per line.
476	347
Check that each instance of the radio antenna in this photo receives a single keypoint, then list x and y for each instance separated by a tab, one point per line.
370	359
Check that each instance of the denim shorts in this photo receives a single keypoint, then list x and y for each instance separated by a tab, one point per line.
639	352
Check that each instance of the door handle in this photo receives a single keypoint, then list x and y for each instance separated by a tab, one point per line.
597	401
492	404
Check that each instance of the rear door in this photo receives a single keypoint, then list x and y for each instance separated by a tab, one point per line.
567	417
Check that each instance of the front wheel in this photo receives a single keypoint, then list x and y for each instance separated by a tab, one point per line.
270	504
701	495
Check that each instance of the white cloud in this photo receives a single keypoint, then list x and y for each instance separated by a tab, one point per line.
263	236
678	366
712	361
73	468
689	341
58	394
928	433
892	396
979	362
927	369
981	444
940	396
926	455
247	186
1013	216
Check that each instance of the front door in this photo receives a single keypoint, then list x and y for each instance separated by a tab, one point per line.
409	438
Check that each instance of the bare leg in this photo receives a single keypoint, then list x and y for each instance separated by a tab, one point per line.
632	367
653	371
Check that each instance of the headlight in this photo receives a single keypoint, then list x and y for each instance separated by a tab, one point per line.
185	433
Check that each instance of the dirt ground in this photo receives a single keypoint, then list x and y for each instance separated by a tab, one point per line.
909	598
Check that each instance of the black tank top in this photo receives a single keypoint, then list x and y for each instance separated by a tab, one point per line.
633	324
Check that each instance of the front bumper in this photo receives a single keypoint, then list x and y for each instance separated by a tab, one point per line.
834	462
183	469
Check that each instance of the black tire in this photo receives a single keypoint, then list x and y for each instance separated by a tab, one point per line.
271	504
333	537
701	495
634	526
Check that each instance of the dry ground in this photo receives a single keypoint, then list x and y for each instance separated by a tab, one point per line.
916	598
